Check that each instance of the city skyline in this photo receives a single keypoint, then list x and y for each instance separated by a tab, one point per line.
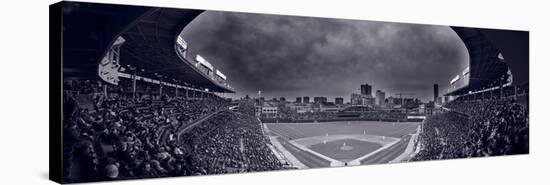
299	99
346	100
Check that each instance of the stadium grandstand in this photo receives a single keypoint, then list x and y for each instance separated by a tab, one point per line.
138	104
488	114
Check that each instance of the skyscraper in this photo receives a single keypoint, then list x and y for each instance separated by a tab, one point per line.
380	97
366	89
436	92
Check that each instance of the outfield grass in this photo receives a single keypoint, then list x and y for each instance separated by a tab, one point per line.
292	131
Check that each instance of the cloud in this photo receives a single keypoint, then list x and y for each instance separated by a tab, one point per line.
303	56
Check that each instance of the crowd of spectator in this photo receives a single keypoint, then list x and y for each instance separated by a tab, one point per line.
118	137
230	142
478	128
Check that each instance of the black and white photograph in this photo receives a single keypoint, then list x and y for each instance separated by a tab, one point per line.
149	92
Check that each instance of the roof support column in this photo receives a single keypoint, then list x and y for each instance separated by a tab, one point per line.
501	90
515	92
160	89
134	86
105	89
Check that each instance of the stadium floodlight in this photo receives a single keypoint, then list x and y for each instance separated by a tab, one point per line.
221	75
456	78
182	43
204	62
466	71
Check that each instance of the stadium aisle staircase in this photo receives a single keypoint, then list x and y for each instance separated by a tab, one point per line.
186	127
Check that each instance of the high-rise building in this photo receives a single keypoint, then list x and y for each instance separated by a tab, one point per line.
366	89
355	99
391	101
319	99
436	92
339	101
380	97
298	99
368	100
361	99
306	99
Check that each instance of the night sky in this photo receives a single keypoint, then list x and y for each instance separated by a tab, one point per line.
288	56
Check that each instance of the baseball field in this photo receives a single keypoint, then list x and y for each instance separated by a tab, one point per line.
341	143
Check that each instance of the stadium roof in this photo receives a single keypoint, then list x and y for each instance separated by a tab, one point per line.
150	34
150	45
485	66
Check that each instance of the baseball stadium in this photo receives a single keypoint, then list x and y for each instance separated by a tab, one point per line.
139	102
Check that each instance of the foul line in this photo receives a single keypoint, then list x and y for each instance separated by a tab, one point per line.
279	147
409	150
333	162
358	160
